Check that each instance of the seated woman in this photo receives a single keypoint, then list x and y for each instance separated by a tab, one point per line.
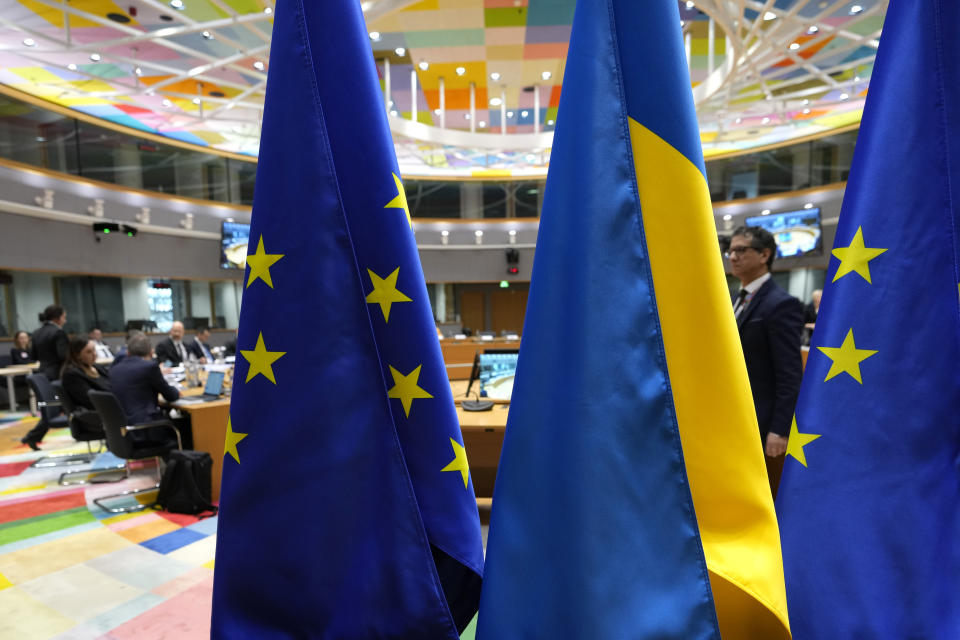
20	353
80	374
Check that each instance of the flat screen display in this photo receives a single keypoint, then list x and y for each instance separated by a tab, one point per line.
797	233
234	237
495	371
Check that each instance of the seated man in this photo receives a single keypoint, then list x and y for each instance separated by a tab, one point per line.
199	346
102	350
172	349
137	382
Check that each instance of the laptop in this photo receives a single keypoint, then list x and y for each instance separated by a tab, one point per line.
212	391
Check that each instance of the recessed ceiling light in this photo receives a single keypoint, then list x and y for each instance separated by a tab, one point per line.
813	29
482	124
728	217
436	112
460	71
806	101
689	4
765	121
478	233
207	35
855	9
524	113
769	15
72	67
375	36
794	46
494	76
444	233
138	71
495	102
765	212
166	103
29	42
509	114
844	96
512	232
96	57
466	116
177	4
546	75
268	10
424	65
808	205
196	101
400	51
806	111
738	120
258	65
550	122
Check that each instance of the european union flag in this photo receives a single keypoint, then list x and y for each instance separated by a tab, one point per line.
347	508
631	499
869	504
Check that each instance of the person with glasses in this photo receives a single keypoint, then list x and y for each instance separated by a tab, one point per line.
770	322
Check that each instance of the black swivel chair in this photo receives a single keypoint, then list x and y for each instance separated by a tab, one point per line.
116	427
81	428
49	406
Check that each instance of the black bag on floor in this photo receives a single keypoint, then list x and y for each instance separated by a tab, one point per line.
185	485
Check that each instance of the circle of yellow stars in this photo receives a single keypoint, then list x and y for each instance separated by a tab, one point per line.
846	358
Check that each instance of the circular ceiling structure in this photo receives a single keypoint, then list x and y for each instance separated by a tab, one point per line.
471	86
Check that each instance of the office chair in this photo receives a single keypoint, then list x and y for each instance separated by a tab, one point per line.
49	406
116	428
82	432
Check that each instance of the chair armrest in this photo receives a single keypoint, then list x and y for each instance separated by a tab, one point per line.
155	423
55	403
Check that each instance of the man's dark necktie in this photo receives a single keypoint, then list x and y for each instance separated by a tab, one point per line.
740	302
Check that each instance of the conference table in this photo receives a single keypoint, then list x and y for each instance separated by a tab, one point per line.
10	373
208	422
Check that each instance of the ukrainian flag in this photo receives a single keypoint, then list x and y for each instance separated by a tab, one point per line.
632	498
869	503
346	509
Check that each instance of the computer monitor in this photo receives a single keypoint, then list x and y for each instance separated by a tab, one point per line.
798	233
234	237
494	370
214	386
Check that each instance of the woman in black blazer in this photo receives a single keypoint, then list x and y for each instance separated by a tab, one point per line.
50	343
81	374
20	353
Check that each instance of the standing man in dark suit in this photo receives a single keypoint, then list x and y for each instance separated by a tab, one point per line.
199	346
770	322
137	382
172	349
50	344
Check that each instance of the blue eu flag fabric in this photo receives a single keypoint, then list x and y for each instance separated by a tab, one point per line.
869	503
631	498
347	509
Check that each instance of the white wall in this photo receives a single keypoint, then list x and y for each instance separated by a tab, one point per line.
32	293
135	303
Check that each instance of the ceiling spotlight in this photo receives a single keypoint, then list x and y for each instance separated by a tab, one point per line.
393	112
855	9
808	205
166	103
207	35
550	123
546	75
806	101
268	10
769	15
794	46
482	124
424	65
512	232
460	71
375	36
812	30
478	233
436	112
495	102
738	120
72	67
177	4
844	96
138	71
196	101
856	78
400	51
509	114
806	111
728	217
689	4
765	212
466	116
494	76
444	233
29	42
258	65
765	121
524	113
96	57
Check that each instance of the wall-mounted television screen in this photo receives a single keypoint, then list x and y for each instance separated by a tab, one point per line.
798	233
234	237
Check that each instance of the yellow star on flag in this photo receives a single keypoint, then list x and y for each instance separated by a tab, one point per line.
797	441
230	443
261	361
385	292
459	462
846	358
400	201
405	388
855	258
260	263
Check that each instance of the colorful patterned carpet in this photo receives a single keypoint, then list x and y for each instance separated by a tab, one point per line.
68	569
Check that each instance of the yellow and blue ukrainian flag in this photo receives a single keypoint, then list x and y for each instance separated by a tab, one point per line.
347	508
631	499
869	503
